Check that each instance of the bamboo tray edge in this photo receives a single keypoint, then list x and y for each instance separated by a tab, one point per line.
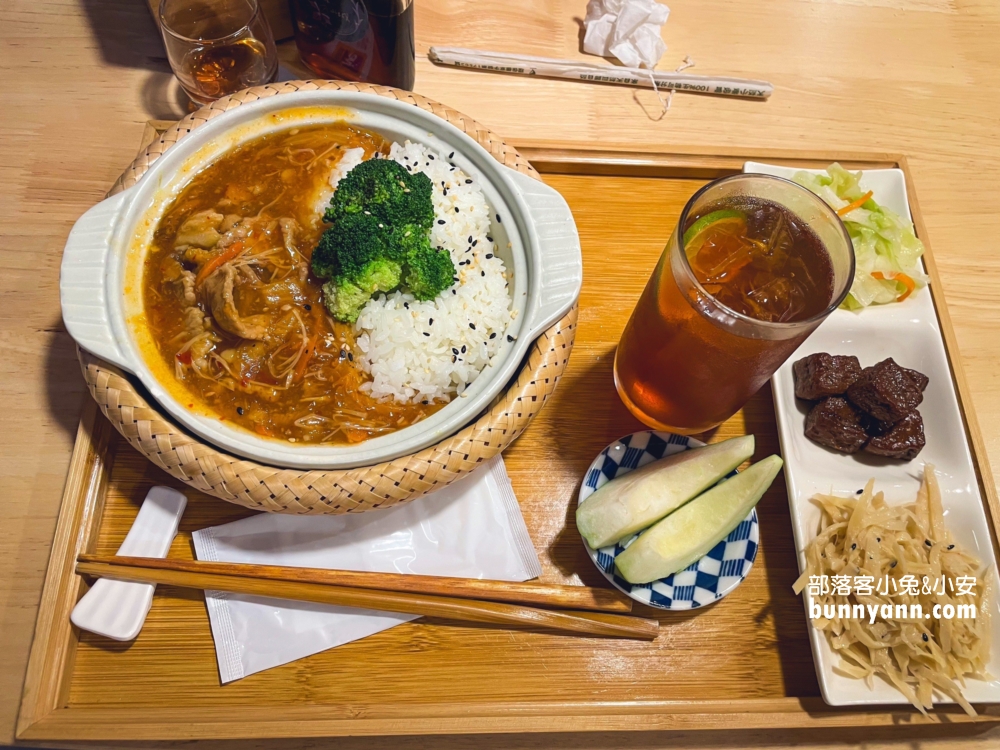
44	714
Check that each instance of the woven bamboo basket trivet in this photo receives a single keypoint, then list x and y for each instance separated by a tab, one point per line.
152	432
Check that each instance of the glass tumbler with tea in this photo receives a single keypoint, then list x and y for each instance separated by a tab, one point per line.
217	47
357	40
754	265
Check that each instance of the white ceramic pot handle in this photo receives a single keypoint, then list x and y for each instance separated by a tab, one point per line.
559	246
83	280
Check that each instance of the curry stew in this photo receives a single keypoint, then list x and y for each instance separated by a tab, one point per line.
233	308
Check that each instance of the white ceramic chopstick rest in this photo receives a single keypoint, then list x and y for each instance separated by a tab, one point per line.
117	609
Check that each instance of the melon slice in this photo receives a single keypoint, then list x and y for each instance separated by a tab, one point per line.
637	500
689	533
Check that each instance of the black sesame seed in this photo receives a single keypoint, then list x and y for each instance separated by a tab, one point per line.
470	238
426	334
308	307
878	539
482	273
924	636
489	239
463	348
343	354
854	546
454	350
892	564
441	221
430	156
951	546
451	155
456	209
468	182
424	403
239	410
475	242
493	335
928	542
498	219
859	492
472	326
489	255
453	291
350	356
454	359
509	337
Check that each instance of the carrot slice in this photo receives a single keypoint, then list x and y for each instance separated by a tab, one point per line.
856	204
213	263
303	363
902	278
354	435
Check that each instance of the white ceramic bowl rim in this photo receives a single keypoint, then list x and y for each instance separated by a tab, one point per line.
544	255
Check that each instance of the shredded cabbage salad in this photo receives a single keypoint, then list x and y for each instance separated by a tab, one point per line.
886	250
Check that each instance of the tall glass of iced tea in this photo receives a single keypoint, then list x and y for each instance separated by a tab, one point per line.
754	265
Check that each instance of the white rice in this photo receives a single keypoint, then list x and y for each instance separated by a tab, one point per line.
433	350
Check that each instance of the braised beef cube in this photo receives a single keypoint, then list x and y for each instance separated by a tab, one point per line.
919	379
835	423
904	439
821	375
885	391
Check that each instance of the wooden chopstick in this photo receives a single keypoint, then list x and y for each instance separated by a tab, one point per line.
535	594
450	608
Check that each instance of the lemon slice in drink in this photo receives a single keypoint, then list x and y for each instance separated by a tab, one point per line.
695	234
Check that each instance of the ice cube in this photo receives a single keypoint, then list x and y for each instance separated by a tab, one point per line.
778	300
721	256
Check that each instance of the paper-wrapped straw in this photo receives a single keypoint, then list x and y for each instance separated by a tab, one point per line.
574	70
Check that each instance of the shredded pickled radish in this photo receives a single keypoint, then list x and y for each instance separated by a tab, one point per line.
863	536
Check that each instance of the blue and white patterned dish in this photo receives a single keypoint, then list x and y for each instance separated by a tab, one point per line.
703	582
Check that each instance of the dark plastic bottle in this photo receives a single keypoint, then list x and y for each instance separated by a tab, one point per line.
357	40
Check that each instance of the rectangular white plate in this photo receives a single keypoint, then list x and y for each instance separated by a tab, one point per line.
908	332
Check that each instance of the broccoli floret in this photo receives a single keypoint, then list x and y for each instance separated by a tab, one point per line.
408	238
349	245
428	271
344	299
386	190
345	296
381	217
324	257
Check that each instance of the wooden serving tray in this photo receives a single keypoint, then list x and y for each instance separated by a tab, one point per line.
743	662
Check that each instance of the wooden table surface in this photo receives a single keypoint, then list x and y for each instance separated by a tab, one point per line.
80	78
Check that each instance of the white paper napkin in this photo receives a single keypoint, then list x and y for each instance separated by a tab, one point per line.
473	528
628	30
